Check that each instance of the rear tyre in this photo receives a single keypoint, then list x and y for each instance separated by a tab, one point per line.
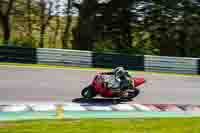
133	94
88	92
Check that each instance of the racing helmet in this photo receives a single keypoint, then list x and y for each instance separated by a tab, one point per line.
119	72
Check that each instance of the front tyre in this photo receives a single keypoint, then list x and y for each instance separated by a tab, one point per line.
88	92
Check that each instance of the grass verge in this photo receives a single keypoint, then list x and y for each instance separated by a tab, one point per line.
166	125
83	68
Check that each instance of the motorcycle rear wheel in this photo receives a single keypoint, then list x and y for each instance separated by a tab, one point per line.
88	92
133	94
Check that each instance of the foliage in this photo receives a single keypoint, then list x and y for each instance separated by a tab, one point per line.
173	27
155	27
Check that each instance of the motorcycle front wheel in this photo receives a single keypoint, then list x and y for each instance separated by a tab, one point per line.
88	92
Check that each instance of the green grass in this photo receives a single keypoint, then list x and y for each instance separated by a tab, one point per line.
168	125
83	68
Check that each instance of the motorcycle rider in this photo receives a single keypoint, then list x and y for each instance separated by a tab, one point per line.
120	78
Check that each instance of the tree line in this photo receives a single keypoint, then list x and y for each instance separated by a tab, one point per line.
35	23
156	27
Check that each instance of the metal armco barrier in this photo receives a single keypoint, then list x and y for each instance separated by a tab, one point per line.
172	64
94	59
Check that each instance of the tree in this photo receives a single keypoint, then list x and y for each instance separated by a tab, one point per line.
172	26
46	10
109	19
68	11
84	32
116	19
5	14
29	23
56	27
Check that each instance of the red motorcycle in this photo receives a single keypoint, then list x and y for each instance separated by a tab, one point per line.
100	87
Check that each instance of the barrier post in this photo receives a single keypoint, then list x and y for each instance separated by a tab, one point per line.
59	111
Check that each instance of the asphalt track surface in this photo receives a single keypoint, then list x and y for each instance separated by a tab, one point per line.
25	84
